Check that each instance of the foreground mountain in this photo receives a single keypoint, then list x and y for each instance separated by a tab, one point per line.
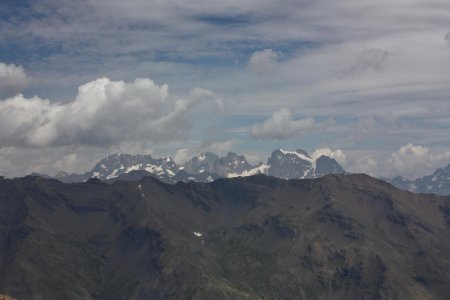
208	166
259	237
436	183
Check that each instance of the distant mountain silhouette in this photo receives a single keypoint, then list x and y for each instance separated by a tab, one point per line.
436	183
207	167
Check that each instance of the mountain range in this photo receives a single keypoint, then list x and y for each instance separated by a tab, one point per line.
256	237
437	183
208	166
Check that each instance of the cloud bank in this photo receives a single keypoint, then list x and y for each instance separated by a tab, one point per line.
412	160
104	113
409	161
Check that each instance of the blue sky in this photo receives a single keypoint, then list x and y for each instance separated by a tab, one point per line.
83	79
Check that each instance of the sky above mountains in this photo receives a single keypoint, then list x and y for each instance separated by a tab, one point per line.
83	79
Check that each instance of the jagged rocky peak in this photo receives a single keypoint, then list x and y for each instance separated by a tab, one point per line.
204	162
117	164
326	165
403	183
205	156
437	183
208	162
232	163
290	164
234	160
299	164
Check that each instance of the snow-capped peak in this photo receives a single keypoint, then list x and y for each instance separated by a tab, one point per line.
201	157
118	164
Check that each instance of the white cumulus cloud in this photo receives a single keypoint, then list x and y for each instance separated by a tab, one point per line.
12	79
182	155
414	161
281	125
264	61
104	113
409	161
366	165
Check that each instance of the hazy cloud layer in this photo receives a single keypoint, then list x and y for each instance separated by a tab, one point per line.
218	147
282	125
16	161
409	161
366	165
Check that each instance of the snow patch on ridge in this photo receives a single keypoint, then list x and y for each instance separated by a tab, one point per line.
201	157
261	169
133	168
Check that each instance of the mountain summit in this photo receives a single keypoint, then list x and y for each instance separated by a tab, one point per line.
299	164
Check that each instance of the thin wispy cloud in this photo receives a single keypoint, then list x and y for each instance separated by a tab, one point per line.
282	125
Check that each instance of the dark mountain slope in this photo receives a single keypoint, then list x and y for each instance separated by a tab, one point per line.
337	237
